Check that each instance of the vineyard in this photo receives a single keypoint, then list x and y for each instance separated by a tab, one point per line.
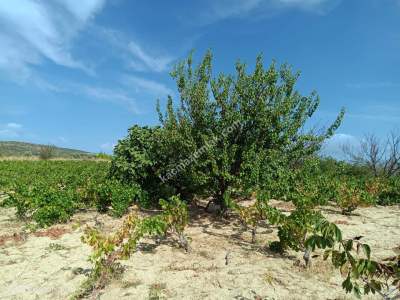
227	198
254	241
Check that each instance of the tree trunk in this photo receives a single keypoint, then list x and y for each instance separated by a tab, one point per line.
219	198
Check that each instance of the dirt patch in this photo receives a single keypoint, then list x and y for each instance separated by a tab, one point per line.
53	232
342	222
223	264
285	206
15	238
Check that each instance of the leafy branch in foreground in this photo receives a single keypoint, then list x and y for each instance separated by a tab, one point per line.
108	249
306	230
363	275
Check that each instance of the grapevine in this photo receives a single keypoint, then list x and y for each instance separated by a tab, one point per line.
109	249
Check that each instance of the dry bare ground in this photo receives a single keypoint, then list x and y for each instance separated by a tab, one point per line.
223	264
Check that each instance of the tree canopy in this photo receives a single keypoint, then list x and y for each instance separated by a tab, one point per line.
225	132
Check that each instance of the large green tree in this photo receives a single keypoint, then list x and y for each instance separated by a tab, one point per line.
225	132
239	123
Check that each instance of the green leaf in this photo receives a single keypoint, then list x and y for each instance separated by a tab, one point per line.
347	285
326	254
357	292
367	250
348	245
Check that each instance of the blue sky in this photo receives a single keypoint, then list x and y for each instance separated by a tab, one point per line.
79	73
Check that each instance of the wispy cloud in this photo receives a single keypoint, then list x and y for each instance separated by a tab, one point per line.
373	85
307	4
62	139
13	110
111	95
10	130
375	117
33	31
137	56
224	9
107	147
14	126
147	86
82	10
141	60
388	113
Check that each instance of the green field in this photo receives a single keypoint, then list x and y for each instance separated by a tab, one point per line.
48	192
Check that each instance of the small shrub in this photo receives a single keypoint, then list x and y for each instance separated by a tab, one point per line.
104	156
109	249
44	205
118	196
349	198
390	193
47	152
55	208
276	246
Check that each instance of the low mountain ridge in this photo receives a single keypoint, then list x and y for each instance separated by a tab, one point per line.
12	148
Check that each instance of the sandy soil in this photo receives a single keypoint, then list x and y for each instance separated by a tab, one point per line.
52	263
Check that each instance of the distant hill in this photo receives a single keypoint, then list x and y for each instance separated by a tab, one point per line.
20	149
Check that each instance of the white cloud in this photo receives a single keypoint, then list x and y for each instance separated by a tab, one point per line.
142	60
223	9
147	86
93	92
62	139
107	147
135	55
35	30
333	146
303	3
14	125
110	95
7	133
83	10
342	137
390	117
10	130
13	110
384	112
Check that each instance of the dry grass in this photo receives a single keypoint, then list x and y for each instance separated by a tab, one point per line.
15	238
205	254
52	232
156	291
126	284
195	267
342	222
